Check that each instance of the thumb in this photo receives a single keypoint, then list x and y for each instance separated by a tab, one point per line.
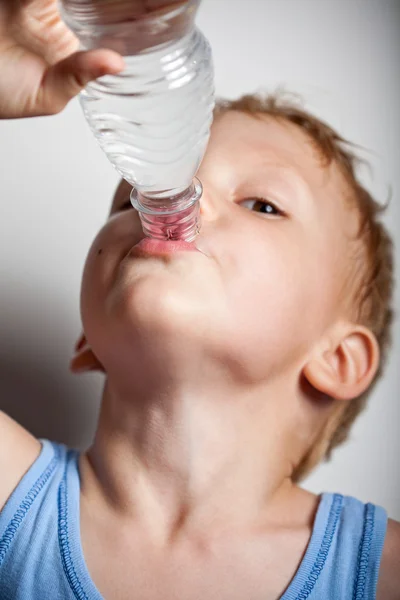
66	79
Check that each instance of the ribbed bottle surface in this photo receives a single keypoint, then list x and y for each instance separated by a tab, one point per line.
153	119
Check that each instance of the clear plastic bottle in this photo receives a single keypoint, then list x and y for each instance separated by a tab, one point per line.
153	119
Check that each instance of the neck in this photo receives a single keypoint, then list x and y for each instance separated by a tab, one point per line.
188	460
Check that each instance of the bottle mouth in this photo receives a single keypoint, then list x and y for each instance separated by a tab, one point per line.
173	217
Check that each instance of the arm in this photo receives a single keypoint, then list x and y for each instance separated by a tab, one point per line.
389	573
18	450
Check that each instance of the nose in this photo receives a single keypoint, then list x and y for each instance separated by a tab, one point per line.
208	204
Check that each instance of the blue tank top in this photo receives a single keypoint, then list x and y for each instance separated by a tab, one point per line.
41	555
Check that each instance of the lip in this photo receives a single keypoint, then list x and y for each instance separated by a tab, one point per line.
149	246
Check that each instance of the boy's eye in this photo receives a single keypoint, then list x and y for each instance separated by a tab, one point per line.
262	206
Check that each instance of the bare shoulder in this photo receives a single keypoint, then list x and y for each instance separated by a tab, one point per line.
18	450
389	573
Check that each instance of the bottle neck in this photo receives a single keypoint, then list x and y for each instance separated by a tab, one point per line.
170	217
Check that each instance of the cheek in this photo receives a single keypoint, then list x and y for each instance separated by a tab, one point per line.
109	247
276	298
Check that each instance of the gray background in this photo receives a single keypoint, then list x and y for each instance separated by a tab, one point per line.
55	188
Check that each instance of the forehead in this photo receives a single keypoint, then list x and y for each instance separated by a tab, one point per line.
262	139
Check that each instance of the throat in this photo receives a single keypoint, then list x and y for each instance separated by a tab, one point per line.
182	465
264	559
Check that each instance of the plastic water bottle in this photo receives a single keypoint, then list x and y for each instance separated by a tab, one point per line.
153	119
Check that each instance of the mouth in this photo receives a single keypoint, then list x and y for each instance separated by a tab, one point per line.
152	247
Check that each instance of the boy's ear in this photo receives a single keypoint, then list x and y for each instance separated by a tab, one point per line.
84	358
345	371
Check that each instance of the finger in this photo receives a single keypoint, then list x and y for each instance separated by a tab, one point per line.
67	78
84	361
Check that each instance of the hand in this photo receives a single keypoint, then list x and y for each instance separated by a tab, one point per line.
40	68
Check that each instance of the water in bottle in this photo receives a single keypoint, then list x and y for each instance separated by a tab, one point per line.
153	119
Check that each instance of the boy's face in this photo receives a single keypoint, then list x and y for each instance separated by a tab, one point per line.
275	231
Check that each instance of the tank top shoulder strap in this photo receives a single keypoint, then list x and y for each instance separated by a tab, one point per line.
343	556
353	559
30	493
361	538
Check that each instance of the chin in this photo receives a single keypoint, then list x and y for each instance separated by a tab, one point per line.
154	307
162	304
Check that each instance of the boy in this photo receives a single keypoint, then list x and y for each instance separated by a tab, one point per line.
232	369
